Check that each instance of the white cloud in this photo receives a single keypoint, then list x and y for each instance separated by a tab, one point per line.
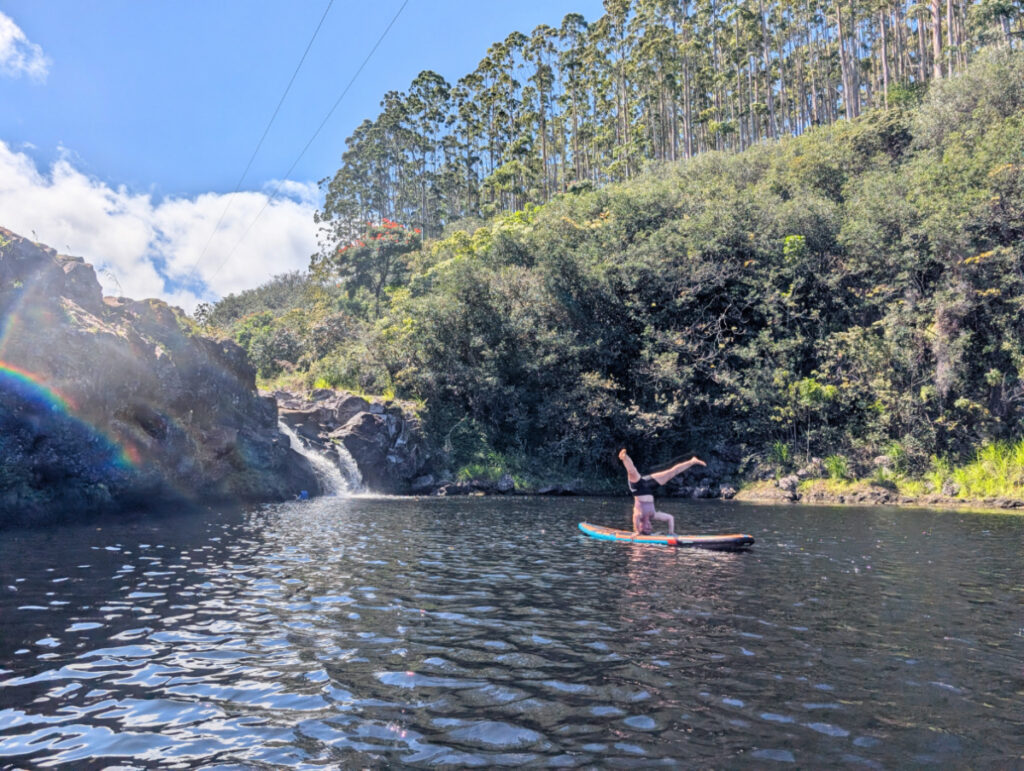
302	192
142	248
18	55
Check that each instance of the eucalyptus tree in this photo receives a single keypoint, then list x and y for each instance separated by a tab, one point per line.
540	52
656	65
426	109
647	80
466	149
573	35
611	49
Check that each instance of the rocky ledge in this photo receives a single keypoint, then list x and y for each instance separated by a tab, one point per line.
383	439
794	489
108	404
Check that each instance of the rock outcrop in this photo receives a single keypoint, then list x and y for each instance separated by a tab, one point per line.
384	439
107	404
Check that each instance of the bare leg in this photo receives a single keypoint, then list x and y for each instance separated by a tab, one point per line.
667	518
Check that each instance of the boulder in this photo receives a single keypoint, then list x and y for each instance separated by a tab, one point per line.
423	485
881	462
456	488
506	484
80	284
764	492
815	469
788	484
325	408
572	488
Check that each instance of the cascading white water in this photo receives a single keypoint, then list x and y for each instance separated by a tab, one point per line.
332	480
349	469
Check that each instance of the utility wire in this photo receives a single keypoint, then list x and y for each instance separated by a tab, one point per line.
312	138
259	144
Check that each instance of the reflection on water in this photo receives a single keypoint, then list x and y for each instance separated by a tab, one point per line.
370	632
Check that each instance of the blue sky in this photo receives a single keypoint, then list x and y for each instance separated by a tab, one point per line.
126	124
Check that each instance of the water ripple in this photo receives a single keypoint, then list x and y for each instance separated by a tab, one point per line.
378	632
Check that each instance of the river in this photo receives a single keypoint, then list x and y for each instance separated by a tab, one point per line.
370	632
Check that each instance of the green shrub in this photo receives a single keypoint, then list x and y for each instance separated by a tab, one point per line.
836	467
781	454
997	471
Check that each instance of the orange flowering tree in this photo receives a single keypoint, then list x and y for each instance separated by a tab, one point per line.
375	259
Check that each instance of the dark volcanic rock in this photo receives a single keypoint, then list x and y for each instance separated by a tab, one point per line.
384	440
107	404
575	487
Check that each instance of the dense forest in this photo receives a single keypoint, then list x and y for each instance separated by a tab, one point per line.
650	81
852	291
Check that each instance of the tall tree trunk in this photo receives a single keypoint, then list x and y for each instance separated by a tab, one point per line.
961	34
936	6
949	37
767	71
687	109
787	105
844	64
576	158
922	51
815	117
900	47
885	60
751	121
854	61
802	85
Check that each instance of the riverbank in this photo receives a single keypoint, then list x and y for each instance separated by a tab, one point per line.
865	493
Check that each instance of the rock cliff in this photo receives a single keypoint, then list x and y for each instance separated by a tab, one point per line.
384	440
108	404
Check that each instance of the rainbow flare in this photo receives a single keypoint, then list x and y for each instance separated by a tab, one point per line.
34	389
35	386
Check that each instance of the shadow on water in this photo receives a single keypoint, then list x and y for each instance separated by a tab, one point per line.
371	631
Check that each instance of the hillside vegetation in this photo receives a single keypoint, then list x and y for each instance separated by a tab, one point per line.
592	102
853	292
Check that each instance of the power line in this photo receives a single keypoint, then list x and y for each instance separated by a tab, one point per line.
259	144
323	123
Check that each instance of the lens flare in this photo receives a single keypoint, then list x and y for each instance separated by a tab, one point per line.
33	389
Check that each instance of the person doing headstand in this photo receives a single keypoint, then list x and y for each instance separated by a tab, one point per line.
643	487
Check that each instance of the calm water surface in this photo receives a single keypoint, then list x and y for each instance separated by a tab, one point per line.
490	632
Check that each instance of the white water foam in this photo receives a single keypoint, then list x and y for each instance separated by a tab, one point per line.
332	479
349	469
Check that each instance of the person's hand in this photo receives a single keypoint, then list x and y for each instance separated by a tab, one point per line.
622	454
697	460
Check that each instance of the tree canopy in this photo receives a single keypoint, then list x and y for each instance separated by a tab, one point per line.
650	81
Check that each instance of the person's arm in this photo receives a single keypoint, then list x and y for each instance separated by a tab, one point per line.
661	477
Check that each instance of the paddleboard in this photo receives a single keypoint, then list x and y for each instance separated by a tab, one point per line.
731	542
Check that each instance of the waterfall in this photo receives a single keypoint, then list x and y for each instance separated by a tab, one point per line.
349	468
332	480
